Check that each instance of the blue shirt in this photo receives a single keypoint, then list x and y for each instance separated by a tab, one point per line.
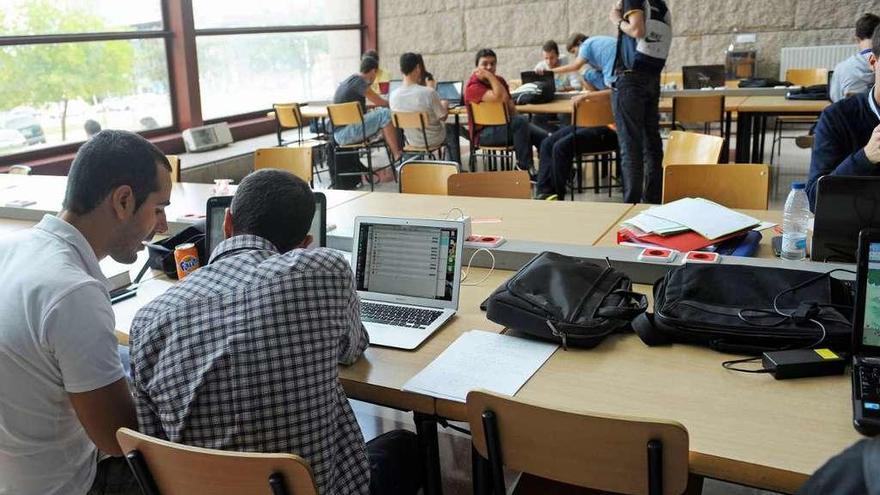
599	52
841	134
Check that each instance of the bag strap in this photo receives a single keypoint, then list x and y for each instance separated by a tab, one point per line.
644	326
629	312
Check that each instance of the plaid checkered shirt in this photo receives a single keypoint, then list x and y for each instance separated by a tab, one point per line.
243	355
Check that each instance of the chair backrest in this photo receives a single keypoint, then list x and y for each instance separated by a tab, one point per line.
409	120
733	185
179	469
20	170
807	77
601	452
295	159
345	114
174	161
505	184
426	176
489	113
288	115
689	148
594	110
697	109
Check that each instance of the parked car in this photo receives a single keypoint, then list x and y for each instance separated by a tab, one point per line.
27	125
10	140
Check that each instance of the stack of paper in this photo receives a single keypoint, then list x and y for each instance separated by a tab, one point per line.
650	224
481	360
708	219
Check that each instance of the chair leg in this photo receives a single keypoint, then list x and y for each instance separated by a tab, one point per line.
480	473
370	170
334	156
695	485
595	160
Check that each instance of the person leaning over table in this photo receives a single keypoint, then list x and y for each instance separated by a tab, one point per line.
62	383
485	85
244	353
847	135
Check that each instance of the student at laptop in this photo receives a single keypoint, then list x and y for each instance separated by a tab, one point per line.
357	88
552	59
596	53
847	138
243	354
854	75
485	85
413	97
63	391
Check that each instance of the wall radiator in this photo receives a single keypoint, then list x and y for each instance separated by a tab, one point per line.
807	57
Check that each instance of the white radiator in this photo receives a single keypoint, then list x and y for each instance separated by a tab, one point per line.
808	57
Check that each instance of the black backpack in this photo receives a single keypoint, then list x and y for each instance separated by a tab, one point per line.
566	300
733	308
534	93
816	92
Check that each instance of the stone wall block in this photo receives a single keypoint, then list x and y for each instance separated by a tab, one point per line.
515	25
431	33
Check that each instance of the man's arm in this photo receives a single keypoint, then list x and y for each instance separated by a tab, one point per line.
572	67
375	99
354	339
828	156
497	92
633	20
103	411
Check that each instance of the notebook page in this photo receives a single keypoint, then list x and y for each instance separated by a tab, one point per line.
708	219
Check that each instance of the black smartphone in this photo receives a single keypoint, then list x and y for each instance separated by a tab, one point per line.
777	245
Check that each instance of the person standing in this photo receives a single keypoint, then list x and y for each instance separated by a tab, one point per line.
854	75
644	36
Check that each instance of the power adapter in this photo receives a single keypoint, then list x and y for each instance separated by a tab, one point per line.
803	363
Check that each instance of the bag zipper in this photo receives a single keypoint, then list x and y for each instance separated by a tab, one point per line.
559	334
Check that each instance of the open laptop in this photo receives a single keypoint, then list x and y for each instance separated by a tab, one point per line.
531	76
703	76
844	206
451	92
408	275
215	211
866	336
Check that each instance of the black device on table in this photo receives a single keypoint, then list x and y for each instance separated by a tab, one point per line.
531	76
866	336
702	76
844	206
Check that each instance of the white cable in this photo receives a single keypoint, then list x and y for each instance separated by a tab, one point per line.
461	214
468	269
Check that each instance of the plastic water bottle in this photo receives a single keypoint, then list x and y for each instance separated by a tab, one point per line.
795	222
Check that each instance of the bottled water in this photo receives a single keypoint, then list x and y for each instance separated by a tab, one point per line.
795	222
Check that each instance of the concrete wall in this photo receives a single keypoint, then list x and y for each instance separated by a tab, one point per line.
449	32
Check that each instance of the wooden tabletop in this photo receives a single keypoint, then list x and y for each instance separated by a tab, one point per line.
778	104
731	103
765	248
563	222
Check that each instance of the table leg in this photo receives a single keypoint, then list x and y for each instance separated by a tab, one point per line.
759	123
725	152
426	428
743	136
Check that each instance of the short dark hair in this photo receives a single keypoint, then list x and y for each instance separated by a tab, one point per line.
91	127
550	46
275	205
875	43
368	64
866	25
484	52
409	62
109	160
574	40
371	54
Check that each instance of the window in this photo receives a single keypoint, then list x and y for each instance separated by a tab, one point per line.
75	62
214	14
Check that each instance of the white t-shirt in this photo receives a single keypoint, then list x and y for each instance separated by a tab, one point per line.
56	337
416	98
566	79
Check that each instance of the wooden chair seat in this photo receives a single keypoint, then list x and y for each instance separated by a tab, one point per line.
422	149
362	144
496	148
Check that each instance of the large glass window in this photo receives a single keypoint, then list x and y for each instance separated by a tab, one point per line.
52	90
215	14
250	72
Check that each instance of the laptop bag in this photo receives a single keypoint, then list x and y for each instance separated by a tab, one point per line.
733	308
566	300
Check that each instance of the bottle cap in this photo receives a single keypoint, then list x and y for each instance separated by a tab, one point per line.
798	185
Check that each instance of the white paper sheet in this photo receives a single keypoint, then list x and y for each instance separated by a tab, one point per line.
708	219
654	225
481	360
147	291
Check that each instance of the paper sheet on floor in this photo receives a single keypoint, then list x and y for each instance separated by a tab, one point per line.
481	360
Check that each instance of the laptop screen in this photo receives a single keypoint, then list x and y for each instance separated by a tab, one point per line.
216	211
844	206
703	76
871	307
449	91
407	260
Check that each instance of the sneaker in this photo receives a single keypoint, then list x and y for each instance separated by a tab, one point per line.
804	142
547	197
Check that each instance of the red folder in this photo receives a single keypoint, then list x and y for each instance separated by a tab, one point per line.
684	242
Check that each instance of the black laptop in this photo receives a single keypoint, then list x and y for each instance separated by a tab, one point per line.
866	336
844	206
703	76
531	76
216	211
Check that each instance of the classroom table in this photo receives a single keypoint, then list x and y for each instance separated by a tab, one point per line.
751	123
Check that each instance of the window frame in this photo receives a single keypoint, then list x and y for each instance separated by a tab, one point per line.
180	36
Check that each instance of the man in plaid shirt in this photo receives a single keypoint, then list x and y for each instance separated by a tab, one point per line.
243	354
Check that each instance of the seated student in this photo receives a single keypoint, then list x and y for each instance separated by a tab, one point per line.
855	471
63	390
357	88
243	354
847	137
552	59
854	75
382	76
596	53
484	85
414	97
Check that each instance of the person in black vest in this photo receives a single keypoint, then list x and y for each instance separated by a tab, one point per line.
645	34
847	136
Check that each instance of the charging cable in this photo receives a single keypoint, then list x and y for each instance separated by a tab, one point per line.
468	269
461	214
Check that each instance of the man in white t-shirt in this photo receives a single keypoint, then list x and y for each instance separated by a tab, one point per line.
413	97
63	390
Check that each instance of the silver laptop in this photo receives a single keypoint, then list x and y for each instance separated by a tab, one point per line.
408	274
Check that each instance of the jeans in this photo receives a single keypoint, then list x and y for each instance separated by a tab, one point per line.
525	135
557	154
635	100
395	463
114	478
374	121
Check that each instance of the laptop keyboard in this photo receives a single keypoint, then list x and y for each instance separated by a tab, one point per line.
401	316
